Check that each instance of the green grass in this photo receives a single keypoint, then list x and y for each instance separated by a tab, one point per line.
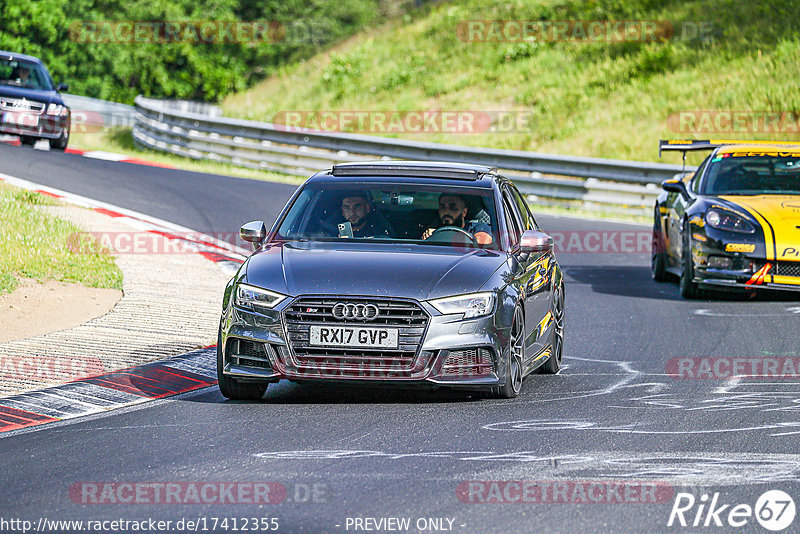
597	99
120	141
34	244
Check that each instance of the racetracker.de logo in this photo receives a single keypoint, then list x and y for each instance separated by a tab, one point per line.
582	31
695	122
177	492
410	122
724	367
563	492
43	368
173	31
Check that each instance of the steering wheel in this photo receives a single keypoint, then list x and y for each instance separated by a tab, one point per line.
441	230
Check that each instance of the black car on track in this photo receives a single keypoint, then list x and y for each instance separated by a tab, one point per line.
734	223
399	273
30	104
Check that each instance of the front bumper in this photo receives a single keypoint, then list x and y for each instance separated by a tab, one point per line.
718	267
455	353
42	126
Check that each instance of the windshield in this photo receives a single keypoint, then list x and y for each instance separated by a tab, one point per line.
754	173
408	213
23	74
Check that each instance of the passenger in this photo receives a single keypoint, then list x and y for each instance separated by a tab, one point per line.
453	212
357	210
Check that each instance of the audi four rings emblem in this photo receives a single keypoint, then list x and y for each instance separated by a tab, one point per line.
367	312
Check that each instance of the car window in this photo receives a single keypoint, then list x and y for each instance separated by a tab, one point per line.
23	74
528	222
694	186
512	219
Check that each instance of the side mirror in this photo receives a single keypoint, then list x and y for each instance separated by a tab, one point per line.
62	87
675	186
533	241
254	232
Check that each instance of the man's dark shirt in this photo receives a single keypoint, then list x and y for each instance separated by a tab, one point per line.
375	226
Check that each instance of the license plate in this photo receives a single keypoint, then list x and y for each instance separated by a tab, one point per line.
353	336
21	119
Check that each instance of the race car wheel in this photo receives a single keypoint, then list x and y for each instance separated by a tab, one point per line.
689	289
27	140
61	142
553	363
232	389
514	364
658	265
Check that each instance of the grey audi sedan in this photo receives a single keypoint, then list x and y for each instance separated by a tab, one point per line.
398	273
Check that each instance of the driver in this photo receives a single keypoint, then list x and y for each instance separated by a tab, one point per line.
453	212
357	210
21	75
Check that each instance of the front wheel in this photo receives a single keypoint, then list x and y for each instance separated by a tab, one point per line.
689	289
553	363
658	265
60	143
516	342
232	389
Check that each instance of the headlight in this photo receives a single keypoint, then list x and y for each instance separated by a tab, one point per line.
54	109
474	305
725	220
255	297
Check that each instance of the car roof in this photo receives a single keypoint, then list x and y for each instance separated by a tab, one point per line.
440	172
13	55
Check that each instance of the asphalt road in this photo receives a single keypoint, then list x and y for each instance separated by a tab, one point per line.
612	416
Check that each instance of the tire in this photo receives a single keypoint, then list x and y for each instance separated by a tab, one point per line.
27	140
689	289
553	364
60	143
658	265
232	389
516	343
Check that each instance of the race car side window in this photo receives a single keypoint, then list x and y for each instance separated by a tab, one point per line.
694	186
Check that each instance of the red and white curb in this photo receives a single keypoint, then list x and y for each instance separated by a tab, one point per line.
122	158
228	256
102	393
94	154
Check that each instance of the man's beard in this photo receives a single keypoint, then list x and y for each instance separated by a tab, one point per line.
358	222
458	221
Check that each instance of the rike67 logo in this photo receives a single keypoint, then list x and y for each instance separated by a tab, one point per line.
774	510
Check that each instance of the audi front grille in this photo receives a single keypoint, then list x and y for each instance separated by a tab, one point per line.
26	106
407	361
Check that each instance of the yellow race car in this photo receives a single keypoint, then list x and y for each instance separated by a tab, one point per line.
734	222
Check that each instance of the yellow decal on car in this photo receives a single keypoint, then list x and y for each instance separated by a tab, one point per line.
740	247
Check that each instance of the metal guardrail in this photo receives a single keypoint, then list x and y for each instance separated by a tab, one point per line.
606	184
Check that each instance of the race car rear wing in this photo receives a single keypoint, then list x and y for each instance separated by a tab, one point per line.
688	145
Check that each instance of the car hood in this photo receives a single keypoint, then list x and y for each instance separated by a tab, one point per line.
38	95
782	212
413	271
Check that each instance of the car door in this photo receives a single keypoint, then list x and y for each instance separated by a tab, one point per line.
676	210
533	275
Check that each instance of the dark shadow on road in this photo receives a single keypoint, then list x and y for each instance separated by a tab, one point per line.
629	281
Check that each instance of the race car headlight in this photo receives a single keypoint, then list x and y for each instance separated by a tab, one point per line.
725	220
54	109
473	305
256	298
